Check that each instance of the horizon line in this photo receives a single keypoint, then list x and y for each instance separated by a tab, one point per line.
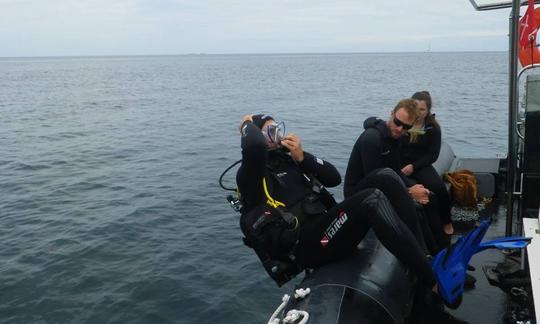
253	53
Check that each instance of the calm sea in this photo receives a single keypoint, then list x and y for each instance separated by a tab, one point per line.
110	211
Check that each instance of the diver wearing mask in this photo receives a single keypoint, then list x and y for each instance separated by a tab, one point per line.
293	223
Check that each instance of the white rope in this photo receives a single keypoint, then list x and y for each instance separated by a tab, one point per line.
292	315
284	301
301	293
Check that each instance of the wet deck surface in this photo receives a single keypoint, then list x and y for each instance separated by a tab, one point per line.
485	304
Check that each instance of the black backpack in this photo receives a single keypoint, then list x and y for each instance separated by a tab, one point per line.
273	234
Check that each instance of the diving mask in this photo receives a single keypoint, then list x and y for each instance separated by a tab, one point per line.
274	132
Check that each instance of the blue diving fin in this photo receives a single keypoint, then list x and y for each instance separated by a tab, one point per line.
450	265
511	242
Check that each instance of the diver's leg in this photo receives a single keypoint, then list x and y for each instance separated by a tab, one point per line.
394	189
438	209
433	220
430	239
428	177
396	236
332	235
346	224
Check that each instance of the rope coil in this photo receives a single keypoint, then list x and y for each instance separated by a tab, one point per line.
293	315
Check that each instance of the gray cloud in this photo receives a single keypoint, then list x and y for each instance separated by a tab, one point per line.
101	27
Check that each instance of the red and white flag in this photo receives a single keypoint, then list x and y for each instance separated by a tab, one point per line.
527	26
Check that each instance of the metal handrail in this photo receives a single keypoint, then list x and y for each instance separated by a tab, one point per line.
525	68
512	99
497	5
518	132
512	111
520	73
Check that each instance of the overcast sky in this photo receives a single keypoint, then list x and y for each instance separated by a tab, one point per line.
117	27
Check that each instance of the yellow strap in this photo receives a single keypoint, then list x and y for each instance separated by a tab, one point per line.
274	203
271	201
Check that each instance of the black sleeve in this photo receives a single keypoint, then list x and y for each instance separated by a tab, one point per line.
432	150
253	168
365	157
370	146
324	171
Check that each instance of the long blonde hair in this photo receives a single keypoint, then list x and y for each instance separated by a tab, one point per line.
415	131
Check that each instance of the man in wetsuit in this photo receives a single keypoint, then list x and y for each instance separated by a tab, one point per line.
378	147
276	173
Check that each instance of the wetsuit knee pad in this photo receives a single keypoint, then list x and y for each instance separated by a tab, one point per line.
380	208
387	173
373	197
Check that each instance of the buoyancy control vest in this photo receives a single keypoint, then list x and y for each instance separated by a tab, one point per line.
272	228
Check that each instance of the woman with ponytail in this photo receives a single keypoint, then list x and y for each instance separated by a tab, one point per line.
418	152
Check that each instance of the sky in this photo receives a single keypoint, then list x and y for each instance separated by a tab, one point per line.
148	27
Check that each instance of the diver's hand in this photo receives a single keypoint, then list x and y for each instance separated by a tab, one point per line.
408	170
292	143
419	193
244	119
448	229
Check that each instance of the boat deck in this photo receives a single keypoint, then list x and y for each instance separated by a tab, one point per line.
531	229
488	304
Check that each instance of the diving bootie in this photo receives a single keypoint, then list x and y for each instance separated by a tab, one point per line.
470	281
450	265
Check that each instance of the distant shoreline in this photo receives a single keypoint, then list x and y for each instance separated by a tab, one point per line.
239	54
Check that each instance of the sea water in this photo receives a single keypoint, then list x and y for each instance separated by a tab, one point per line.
110	209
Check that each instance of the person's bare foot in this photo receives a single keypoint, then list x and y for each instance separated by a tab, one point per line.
448	229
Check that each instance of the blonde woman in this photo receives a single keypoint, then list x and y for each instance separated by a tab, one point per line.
419	151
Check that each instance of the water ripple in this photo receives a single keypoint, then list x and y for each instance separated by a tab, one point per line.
111	212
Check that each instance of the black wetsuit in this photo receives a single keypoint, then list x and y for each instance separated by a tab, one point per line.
375	148
422	154
335	232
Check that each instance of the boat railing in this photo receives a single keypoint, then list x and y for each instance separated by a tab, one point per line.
521	119
481	5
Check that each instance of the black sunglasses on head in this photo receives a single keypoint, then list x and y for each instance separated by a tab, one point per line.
399	123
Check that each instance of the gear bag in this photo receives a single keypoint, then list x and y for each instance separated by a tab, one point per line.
464	187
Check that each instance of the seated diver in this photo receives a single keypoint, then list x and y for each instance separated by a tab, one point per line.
378	147
418	152
293	223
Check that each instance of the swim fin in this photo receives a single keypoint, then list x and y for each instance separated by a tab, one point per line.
450	265
511	242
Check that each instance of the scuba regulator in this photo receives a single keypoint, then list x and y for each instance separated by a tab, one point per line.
234	200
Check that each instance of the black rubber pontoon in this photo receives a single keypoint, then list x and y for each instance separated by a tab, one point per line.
371	286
